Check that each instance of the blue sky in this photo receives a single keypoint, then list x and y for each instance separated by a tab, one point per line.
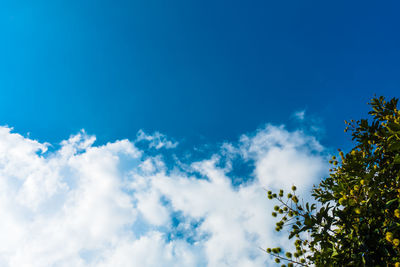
189	109
195	70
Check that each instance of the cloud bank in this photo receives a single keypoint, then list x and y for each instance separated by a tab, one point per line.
117	205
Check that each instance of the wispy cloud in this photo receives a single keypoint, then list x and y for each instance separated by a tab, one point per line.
300	115
114	205
156	140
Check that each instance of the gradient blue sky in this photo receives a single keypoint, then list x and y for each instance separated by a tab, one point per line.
202	71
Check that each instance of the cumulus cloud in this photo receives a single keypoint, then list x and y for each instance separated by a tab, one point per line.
116	205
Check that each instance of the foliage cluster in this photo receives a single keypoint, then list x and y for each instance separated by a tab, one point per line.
355	217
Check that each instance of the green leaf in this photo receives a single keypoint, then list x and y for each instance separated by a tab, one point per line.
396	159
390	202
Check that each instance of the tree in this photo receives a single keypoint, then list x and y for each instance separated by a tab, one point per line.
354	219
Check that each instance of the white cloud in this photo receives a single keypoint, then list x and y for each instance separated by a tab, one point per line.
157	140
112	205
284	158
300	115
